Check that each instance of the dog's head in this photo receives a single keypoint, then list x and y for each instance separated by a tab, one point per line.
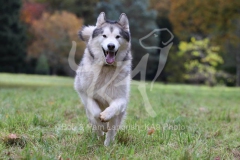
108	40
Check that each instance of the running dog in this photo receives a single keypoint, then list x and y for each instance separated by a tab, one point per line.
104	74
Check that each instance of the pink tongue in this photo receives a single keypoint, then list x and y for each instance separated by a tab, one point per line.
110	58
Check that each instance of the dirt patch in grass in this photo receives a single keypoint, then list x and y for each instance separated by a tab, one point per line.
14	140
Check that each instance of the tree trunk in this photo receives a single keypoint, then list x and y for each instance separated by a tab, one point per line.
238	67
238	54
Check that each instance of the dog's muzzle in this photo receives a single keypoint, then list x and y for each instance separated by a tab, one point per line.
109	56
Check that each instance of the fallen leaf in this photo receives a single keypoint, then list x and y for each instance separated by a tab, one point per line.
217	158
151	131
51	102
203	109
60	157
12	136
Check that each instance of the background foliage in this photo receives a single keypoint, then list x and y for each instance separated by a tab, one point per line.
53	36
12	38
47	27
201	61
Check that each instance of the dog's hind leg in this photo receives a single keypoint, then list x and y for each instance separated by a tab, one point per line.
114	125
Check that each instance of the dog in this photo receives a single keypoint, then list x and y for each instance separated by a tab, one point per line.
104	74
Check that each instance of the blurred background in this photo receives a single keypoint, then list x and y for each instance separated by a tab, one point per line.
36	36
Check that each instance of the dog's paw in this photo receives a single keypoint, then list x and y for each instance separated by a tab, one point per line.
101	138
107	142
104	117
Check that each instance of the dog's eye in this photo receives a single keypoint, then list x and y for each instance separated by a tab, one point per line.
104	36
117	36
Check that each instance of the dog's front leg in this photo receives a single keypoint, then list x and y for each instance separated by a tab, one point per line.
93	111
116	107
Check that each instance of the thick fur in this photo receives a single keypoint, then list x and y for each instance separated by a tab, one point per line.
103	87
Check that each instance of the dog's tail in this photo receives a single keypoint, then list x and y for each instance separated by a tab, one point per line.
86	32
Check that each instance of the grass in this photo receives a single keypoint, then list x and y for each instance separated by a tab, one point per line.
42	117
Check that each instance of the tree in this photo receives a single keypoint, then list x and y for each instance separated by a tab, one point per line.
174	69
42	65
53	34
215	19
142	21
12	37
203	18
201	62
238	52
82	8
31	11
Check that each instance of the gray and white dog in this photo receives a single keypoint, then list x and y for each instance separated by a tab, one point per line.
104	74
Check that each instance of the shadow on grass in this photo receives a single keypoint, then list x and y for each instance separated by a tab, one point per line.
29	86
123	137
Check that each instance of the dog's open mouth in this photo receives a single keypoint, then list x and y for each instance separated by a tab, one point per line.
110	56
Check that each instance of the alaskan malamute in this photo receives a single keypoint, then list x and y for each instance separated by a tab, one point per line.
104	74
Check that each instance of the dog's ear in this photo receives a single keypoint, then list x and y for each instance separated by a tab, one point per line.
101	19
123	21
86	32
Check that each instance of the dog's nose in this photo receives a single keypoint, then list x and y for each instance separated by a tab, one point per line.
111	46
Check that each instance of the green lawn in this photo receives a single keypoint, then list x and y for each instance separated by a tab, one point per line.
47	121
